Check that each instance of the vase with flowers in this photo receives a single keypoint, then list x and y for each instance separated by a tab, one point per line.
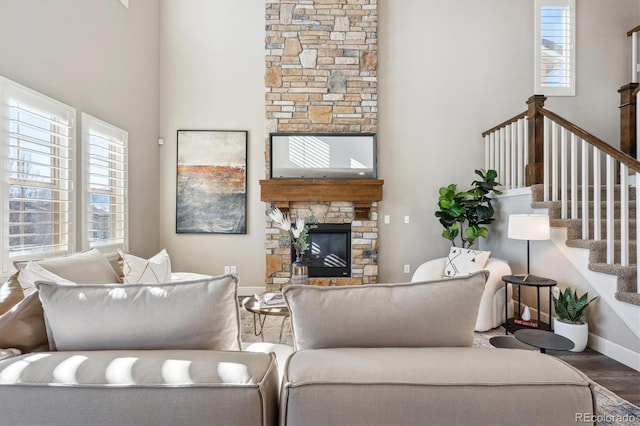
297	233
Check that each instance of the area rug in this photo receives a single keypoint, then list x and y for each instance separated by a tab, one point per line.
611	409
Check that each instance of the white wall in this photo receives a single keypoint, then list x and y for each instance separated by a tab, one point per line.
212	78
102	59
449	70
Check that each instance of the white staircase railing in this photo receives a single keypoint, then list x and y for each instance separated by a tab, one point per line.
579	171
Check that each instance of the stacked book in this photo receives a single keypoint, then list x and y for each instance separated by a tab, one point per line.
272	300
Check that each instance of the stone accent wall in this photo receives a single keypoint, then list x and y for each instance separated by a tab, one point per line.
321	76
364	244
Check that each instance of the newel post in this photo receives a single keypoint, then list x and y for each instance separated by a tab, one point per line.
534	171
628	119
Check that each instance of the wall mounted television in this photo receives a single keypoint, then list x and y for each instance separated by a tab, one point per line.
322	156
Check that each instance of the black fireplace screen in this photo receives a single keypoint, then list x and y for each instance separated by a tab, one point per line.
329	253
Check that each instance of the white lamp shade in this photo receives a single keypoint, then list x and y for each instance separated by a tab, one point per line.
529	227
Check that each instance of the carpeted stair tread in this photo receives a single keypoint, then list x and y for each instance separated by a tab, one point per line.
627	282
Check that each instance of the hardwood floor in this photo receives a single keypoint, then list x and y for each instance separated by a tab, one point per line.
617	377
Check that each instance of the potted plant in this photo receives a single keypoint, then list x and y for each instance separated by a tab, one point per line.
570	310
462	213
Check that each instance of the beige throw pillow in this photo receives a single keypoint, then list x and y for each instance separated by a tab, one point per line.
200	314
420	314
90	266
461	261
23	327
10	293
136	270
33	272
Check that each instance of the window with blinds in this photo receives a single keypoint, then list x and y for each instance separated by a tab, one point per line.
555	47
37	142
105	184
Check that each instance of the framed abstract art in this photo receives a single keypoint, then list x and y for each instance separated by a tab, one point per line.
211	188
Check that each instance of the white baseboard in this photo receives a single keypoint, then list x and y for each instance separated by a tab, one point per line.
614	351
249	291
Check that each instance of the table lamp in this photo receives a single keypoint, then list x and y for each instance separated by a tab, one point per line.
529	227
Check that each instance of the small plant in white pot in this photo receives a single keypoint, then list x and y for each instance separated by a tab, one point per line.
570	311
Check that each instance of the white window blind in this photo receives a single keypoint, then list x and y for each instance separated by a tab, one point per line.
555	25
37	145
105	217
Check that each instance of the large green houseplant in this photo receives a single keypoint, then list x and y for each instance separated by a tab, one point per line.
463	213
570	310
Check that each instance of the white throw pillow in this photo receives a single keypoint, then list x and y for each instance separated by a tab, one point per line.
463	262
201	314
33	272
136	270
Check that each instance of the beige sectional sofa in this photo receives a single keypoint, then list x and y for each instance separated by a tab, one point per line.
170	353
401	354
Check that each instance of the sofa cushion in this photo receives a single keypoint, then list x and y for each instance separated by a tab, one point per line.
90	266
164	387
23	327
424	386
429	313
137	270
10	293
461	261
201	314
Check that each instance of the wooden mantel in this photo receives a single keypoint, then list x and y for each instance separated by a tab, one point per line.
360	191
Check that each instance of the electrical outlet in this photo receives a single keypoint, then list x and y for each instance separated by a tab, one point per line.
387	219
407	269
233	269
407	219
227	269
556	292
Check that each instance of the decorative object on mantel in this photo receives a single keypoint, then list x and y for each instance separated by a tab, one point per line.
211	193
529	227
297	234
570	310
471	208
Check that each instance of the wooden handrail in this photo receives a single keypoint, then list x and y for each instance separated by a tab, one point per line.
506	123
623	158
634	30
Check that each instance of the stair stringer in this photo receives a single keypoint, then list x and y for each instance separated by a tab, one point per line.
605	284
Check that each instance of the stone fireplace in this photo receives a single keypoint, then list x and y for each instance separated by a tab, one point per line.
321	61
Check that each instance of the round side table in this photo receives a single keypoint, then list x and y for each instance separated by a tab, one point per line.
544	340
261	312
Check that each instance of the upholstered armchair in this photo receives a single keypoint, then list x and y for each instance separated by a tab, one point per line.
491	312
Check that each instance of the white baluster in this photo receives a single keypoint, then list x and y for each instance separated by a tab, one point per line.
610	216
585	190
545	157
624	215
521	144
514	154
503	159
634	57
563	173
554	161
597	234
506	178
487	152
574	176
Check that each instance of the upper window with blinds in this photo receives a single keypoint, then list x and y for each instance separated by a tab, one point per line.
105	184
37	192
555	47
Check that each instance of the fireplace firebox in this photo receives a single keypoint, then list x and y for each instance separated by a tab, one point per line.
329	253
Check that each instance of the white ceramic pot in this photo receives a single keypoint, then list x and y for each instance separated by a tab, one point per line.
577	333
